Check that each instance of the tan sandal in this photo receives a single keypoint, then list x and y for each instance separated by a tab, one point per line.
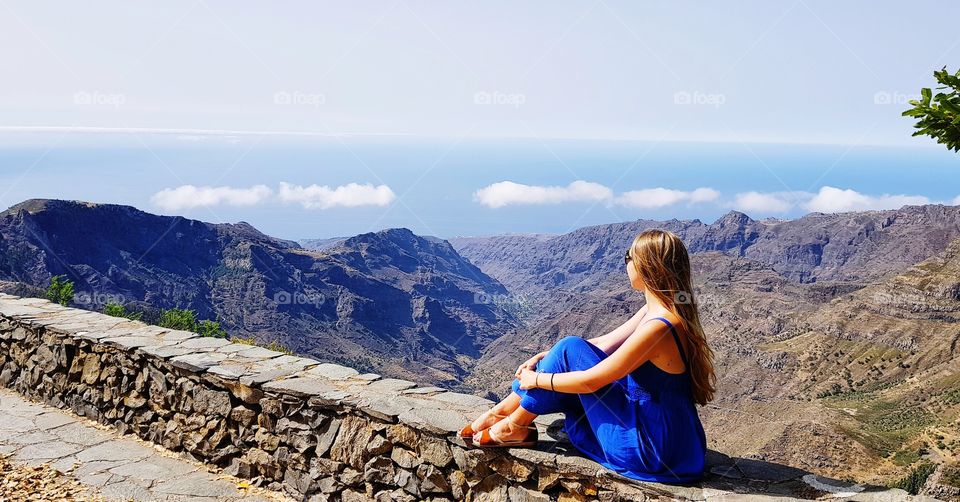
467	431
487	440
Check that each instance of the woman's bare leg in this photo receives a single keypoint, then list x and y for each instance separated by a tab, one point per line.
505	407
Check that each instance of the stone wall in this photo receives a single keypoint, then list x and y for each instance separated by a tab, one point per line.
317	431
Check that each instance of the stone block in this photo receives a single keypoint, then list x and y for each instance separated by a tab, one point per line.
197	362
304	387
333	371
350	445
433	419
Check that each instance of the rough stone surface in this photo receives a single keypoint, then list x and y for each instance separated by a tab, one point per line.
316	431
109	466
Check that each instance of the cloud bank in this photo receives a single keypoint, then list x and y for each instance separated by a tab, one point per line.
310	197
509	193
189	196
324	197
651	198
835	200
827	200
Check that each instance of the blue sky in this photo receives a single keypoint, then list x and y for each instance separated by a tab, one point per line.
321	119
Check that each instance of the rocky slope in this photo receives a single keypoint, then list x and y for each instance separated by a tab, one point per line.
388	301
860	246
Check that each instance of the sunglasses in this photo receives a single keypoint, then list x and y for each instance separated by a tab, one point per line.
626	257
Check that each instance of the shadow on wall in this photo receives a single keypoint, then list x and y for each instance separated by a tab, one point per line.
724	475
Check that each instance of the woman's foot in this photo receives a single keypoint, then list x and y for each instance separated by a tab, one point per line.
506	430
486	419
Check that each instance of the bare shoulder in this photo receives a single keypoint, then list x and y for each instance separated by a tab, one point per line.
675	322
672	318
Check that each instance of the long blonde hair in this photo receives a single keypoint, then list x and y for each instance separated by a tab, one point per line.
663	265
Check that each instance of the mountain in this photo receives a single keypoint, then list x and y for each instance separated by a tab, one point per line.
387	301
836	336
852	247
322	244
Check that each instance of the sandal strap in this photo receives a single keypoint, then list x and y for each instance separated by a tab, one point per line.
492	439
527	426
487	438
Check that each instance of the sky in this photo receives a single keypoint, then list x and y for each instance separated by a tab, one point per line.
319	119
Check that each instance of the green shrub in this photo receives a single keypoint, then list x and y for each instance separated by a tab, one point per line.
182	319
60	290
906	457
186	320
914	481
210	328
118	310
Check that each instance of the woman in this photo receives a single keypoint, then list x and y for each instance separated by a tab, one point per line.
628	396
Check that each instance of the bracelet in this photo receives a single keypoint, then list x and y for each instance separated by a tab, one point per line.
536	380
551	382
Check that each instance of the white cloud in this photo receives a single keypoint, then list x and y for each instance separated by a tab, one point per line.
836	200
704	195
507	193
769	202
189	196
660	197
827	200
324	197
956	201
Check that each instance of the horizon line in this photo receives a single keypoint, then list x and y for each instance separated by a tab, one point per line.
227	133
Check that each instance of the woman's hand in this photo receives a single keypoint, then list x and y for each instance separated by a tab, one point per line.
530	364
528	379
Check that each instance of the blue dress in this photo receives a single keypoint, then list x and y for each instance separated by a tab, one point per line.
644	426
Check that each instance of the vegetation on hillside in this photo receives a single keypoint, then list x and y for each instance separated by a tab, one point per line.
60	290
914	481
118	310
186	320
175	318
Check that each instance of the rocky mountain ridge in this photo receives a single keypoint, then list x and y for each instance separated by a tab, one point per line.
389	301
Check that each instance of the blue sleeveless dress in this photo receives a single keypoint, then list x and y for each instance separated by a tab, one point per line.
644	426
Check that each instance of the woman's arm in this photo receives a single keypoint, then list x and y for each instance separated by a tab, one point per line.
609	342
634	351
